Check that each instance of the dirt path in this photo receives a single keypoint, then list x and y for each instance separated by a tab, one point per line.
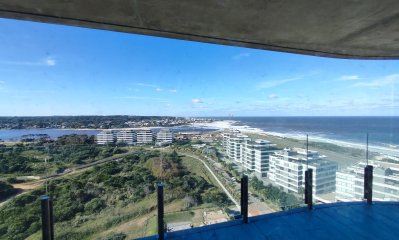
28	186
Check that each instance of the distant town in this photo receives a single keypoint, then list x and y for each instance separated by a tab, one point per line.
94	122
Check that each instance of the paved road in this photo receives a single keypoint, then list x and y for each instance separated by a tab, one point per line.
214	175
256	203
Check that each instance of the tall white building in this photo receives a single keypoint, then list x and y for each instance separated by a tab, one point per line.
287	169
232	141
106	137
165	136
255	155
145	136
252	155
350	182
226	137
126	136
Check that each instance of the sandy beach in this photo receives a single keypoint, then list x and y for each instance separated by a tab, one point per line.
230	124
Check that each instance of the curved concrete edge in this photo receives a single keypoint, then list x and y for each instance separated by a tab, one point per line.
180	35
265	217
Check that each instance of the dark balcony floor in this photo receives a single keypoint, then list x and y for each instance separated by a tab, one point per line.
355	220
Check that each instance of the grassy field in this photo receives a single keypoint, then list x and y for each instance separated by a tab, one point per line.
128	219
197	167
137	219
185	216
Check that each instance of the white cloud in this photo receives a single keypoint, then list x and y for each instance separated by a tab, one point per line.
146	85
155	87
241	55
144	98
274	83
384	81
272	96
349	78
48	61
196	100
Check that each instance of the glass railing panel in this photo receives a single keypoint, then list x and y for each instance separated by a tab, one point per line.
384	157
199	196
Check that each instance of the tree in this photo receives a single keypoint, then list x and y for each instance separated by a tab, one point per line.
95	205
216	197
6	190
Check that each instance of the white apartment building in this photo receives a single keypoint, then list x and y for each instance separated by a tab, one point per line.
106	137
255	155
165	136
232	141
226	136
145	136
350	182
126	136
252	155
287	169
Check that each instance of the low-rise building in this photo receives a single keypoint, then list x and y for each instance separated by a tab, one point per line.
145	136
350	181
165	136
126	136
106	137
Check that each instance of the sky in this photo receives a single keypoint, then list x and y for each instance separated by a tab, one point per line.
48	69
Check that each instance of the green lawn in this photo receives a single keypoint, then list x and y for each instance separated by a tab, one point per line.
197	167
185	216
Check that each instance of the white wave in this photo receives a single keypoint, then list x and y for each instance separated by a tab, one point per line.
231	124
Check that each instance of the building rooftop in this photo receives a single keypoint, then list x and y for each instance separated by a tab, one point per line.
354	220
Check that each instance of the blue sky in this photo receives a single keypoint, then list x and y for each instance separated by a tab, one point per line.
59	70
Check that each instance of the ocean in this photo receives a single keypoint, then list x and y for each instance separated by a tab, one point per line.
383	131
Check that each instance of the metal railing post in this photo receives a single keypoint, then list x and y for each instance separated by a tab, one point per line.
161	227
368	184
308	188
47	218
244	198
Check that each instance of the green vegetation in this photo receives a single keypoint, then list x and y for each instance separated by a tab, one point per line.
185	216
273	194
89	204
6	190
66	151
12	161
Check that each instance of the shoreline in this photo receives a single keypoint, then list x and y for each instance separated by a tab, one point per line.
230	124
13	140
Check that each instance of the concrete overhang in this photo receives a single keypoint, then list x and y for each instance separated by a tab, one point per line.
360	29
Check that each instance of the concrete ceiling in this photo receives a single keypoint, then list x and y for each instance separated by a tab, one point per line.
362	29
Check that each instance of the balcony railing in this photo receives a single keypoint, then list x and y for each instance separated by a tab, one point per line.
48	218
